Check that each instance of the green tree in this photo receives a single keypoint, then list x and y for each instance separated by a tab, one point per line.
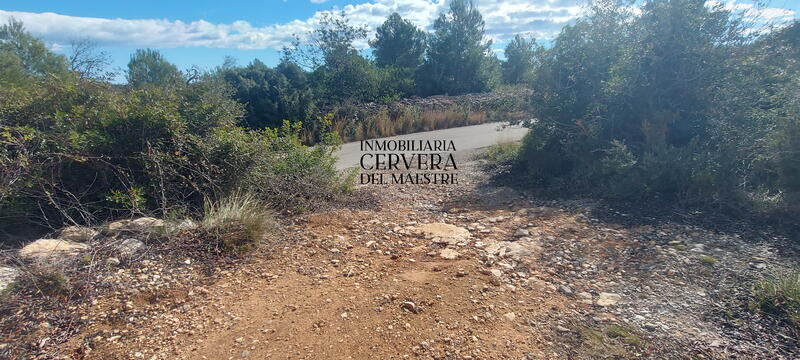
270	96
458	59
148	66
327	43
521	58
339	71
398	43
22	54
350	77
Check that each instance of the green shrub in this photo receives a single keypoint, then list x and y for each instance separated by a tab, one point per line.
43	282
81	151
500	156
674	102
297	177
779	296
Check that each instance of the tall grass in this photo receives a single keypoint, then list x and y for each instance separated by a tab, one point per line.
361	125
237	222
779	296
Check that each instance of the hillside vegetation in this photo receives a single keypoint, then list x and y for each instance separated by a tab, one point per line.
79	149
682	102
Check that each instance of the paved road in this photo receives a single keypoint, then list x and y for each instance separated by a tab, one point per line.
467	139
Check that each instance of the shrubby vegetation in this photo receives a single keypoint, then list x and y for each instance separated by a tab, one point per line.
682	102
80	150
77	148
779	296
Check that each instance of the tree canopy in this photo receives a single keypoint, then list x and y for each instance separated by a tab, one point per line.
521	56
148	66
459	59
398	43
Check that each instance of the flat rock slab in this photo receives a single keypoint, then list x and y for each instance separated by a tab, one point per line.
140	225
449	254
608	299
445	232
47	248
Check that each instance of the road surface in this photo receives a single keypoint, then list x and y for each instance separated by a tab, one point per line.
467	139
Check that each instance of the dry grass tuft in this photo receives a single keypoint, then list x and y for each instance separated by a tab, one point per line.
237	223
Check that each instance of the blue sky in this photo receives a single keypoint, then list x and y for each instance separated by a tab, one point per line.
201	33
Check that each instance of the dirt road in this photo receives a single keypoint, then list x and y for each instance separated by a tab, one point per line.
467	139
466	271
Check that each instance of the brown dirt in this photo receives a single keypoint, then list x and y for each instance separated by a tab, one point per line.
362	284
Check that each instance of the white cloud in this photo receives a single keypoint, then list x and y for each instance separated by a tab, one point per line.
504	19
755	12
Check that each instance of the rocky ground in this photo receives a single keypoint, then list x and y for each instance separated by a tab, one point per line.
467	271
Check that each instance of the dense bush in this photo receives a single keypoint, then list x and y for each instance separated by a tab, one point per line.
680	101
80	150
271	96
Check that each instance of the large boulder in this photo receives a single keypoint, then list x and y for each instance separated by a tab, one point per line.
77	234
51	249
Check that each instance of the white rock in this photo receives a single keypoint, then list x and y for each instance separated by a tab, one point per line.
446	233
449	254
510	316
7	276
51	248
141	225
608	299
185	224
129	247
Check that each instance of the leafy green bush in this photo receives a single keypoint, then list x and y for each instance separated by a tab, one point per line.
78	150
297	178
681	101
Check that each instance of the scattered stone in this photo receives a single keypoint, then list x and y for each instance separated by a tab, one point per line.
50	249
77	234
564	289
650	327
608	299
112	261
410	307
521	232
510	316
